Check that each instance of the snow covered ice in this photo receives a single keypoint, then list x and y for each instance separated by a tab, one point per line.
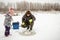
47	26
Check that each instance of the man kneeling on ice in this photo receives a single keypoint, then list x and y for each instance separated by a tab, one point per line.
28	20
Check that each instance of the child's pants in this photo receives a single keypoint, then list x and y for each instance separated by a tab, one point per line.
7	30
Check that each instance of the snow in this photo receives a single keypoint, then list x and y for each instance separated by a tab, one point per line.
47	27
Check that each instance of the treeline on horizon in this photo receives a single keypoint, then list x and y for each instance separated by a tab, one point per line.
22	6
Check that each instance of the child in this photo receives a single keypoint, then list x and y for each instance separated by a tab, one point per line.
7	21
28	20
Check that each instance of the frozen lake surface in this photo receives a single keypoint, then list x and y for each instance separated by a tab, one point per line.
47	27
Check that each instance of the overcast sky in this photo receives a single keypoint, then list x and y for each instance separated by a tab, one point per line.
41	1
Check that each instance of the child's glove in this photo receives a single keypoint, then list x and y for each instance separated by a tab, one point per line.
30	20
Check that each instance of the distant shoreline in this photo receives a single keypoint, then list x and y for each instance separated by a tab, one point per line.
31	11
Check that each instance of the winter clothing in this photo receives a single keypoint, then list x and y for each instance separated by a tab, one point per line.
7	30
28	20
8	19
7	23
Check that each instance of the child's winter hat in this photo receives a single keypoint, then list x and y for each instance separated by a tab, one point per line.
11	8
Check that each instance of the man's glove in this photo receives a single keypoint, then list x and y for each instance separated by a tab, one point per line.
30	20
23	23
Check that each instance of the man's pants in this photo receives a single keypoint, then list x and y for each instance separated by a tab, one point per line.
7	30
30	27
